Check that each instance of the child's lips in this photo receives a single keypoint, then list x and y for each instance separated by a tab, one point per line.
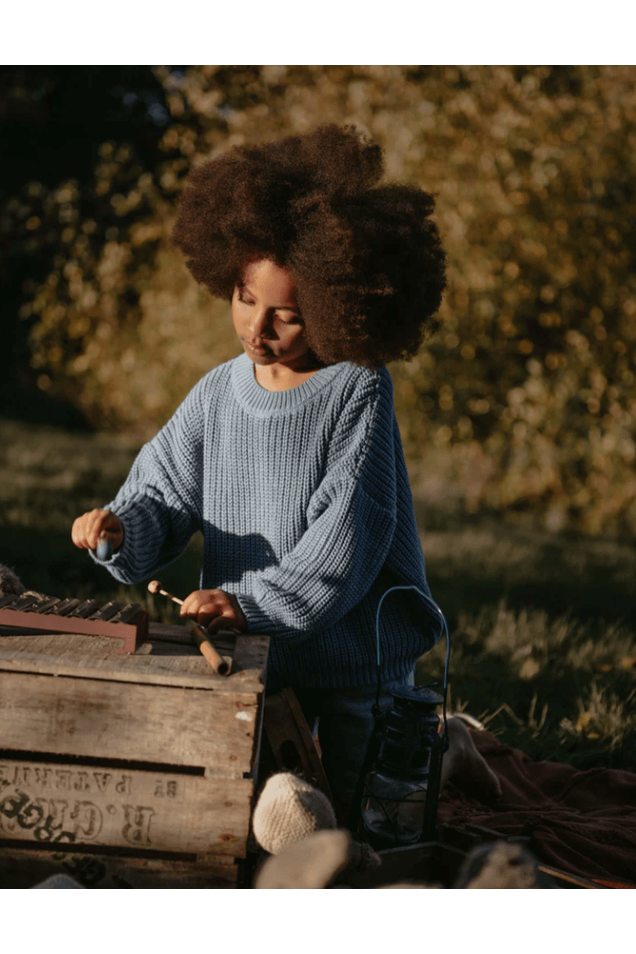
259	351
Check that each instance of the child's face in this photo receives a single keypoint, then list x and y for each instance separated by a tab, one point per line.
267	319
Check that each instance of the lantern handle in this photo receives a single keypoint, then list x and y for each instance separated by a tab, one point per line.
433	605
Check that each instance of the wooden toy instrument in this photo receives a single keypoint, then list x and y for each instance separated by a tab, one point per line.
37	613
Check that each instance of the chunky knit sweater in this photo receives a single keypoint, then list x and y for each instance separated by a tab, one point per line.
303	500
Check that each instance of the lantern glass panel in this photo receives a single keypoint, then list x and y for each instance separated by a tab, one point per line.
393	809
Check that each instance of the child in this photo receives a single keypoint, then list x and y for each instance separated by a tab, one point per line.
288	458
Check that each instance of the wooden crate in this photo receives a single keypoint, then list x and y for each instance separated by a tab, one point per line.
132	770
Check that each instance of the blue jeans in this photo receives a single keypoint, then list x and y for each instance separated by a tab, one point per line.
344	721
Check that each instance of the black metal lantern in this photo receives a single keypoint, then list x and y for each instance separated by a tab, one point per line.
401	779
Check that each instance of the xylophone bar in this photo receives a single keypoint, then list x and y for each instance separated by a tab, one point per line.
128	622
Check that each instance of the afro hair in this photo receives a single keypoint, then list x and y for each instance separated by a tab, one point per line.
367	259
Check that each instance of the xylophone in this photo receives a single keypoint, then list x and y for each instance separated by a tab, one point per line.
38	613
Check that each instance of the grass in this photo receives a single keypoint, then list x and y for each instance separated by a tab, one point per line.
48	477
542	625
543	637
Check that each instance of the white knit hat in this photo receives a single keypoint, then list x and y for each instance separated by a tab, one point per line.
289	809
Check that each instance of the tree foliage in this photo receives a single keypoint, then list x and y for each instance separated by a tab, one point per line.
526	399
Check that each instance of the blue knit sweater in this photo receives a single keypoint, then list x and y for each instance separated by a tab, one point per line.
303	500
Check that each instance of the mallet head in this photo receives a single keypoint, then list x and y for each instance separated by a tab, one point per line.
104	549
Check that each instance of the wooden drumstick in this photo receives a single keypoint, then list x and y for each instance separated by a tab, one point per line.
201	638
155	587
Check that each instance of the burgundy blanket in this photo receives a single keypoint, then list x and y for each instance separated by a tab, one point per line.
581	822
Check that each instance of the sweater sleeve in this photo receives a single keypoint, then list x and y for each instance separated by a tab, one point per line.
160	504
350	526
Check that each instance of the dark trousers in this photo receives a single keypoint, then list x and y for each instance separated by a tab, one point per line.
344	721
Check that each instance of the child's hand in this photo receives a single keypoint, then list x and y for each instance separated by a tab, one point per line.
88	528
215	609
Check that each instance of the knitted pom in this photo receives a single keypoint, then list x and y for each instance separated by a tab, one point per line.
501	865
313	863
58	881
289	809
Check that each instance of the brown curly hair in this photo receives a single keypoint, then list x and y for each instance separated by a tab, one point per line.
367	259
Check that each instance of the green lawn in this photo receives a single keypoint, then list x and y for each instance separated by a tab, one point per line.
542	626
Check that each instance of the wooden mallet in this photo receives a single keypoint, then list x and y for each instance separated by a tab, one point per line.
201	638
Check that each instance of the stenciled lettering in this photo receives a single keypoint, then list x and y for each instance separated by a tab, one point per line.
63	778
31	815
12	805
123	785
81	782
7	825
165	788
15	774
54	823
102	780
88	820
18	811
136	831
42	776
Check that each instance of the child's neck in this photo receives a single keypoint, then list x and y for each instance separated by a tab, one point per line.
277	377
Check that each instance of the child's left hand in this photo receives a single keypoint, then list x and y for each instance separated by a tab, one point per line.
214	609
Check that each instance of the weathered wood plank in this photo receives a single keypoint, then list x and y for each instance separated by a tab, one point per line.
65	696
45	802
118	720
250	654
285	727
21	868
173	662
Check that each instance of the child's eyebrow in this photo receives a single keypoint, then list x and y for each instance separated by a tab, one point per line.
295	308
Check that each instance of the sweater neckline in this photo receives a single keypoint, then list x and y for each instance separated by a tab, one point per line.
254	398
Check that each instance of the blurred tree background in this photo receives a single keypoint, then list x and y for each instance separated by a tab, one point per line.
524	404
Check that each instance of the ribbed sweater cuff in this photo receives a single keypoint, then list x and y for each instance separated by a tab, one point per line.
114	561
119	562
260	622
139	528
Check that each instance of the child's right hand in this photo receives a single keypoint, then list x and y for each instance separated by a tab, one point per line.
88	529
